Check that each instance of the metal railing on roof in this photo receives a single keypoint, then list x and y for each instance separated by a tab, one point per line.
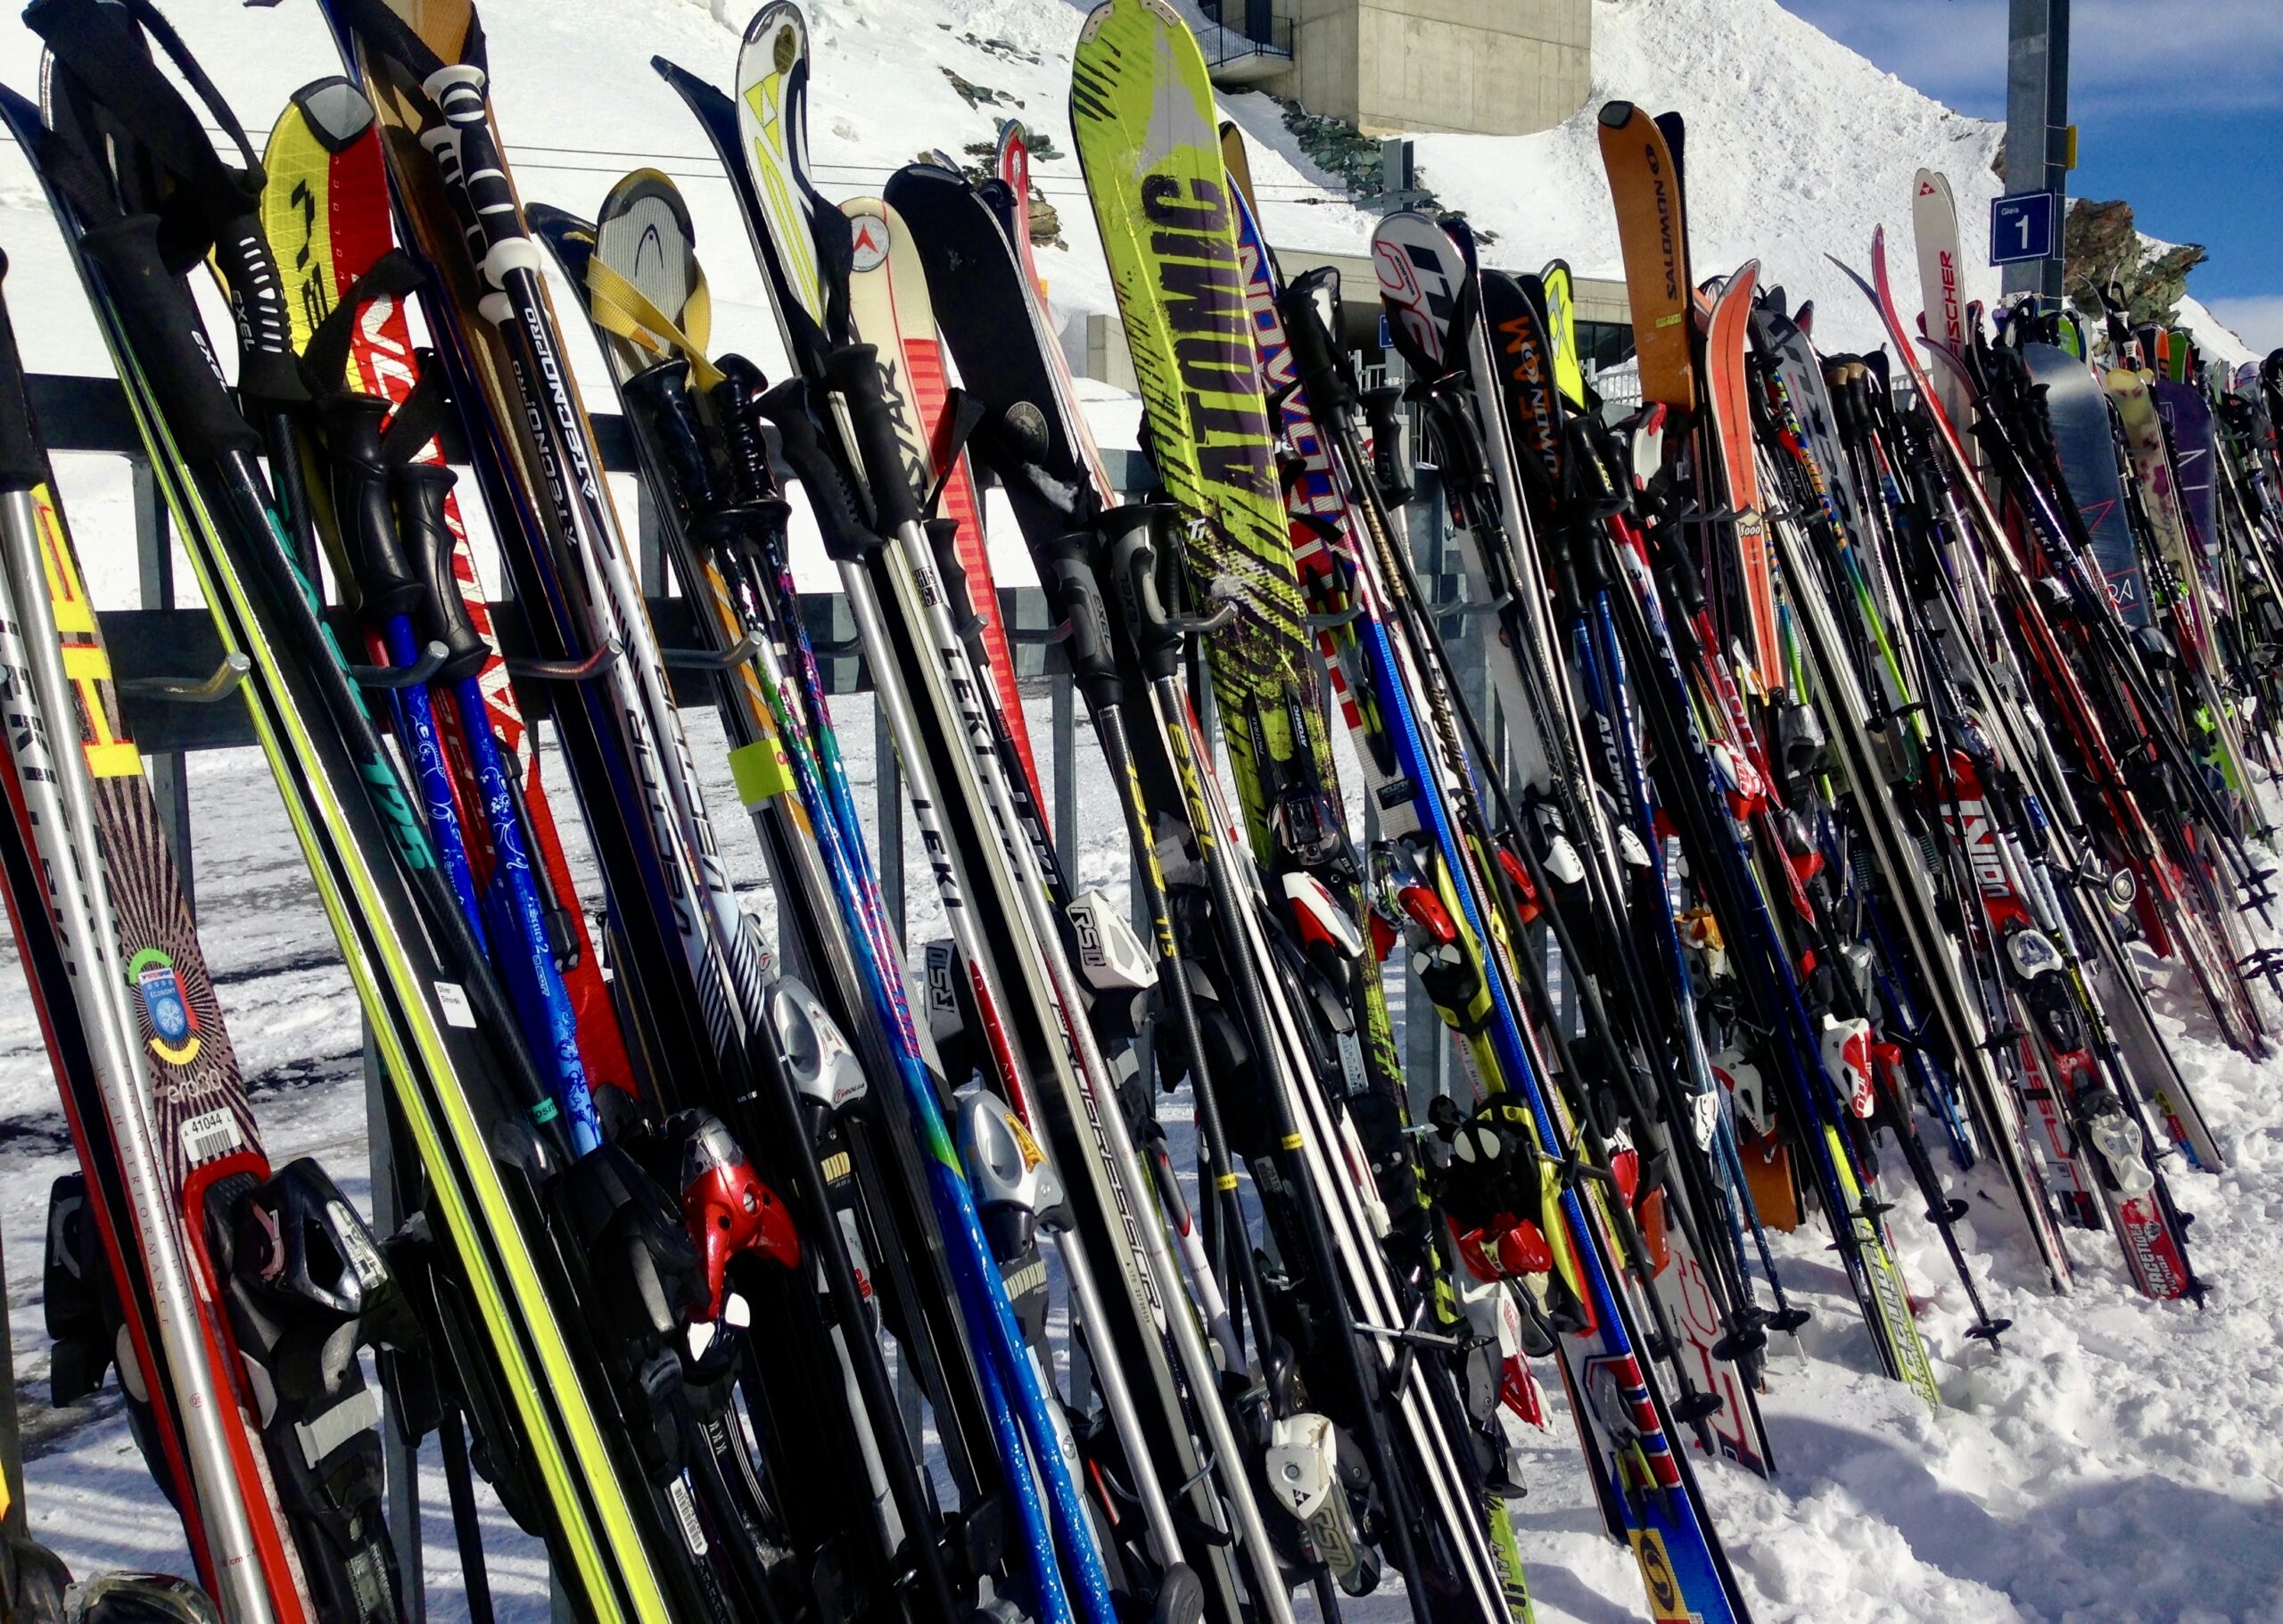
1260	46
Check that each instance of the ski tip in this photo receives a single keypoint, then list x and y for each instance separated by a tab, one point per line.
1855	276
777	14
21	111
686	83
1616	115
548	220
656	186
334	109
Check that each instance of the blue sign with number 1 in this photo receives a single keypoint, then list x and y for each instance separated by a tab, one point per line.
2021	227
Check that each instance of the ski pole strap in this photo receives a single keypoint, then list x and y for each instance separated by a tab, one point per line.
21	464
418	418
139	146
325	358
440	614
846	537
962	417
100	43
620	309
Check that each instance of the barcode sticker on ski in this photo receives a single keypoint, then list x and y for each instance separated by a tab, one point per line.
209	1136
451	998
693	1532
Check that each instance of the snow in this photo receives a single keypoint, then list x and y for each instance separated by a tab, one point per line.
1796	148
2221	342
2116	1462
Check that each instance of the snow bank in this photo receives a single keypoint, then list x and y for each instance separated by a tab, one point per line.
1796	148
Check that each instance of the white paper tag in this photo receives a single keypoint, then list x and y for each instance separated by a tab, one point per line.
209	1136
451	998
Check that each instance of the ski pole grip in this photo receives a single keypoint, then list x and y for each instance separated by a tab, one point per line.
857	376
944	547
663	392
1391	464
467	159
733	397
364	520
1072	589
1130	547
21	464
422	489
1676	573
847	537
162	329
268	368
1311	310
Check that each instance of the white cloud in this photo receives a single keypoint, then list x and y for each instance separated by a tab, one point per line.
2256	318
2211	53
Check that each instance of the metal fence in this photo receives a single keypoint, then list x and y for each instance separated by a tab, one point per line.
1243	40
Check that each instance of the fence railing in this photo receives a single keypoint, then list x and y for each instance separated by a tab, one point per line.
1266	42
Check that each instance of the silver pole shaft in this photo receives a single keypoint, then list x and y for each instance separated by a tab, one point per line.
1155	1271
61	804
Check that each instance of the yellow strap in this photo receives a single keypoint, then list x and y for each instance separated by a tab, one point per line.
620	308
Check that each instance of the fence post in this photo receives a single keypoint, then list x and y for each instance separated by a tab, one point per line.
400	1455
649	543
1063	686
1423	1043
154	564
887	818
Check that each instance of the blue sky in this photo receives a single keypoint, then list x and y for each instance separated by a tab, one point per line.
2179	106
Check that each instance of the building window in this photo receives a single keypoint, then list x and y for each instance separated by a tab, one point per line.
1604	344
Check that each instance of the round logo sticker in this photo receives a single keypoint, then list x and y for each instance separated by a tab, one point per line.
787	51
867	242
174	1028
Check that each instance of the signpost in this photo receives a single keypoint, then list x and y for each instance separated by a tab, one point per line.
2038	144
2021	228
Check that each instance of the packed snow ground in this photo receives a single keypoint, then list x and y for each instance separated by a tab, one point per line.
2118	1462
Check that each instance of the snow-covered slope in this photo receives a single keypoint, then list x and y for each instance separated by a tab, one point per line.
1797	148
2221	343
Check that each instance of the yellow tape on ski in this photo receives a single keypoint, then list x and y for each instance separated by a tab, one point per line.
760	771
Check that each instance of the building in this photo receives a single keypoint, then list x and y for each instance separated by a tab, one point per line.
1480	67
